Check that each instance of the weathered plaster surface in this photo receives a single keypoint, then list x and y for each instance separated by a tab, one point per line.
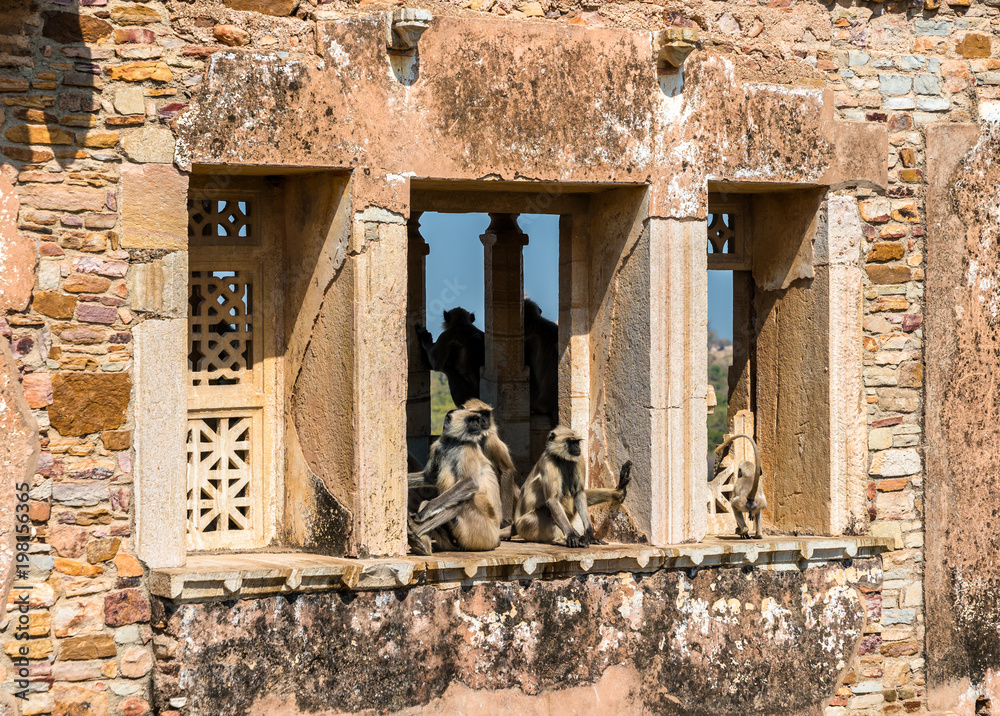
17	253
19	448
18	458
667	643
510	98
963	406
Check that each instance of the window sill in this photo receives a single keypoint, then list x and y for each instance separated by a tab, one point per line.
240	576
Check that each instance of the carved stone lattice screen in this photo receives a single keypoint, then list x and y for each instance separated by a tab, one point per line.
232	386
221	222
727	235
720	489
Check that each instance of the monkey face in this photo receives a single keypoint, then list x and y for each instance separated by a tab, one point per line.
564	443
464	425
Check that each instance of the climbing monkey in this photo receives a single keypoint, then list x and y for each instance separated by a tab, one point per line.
748	496
541	355
459	353
466	512
553	504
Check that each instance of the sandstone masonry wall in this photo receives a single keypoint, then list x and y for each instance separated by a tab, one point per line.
88	90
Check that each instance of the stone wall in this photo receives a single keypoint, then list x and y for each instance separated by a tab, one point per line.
92	93
962	587
670	642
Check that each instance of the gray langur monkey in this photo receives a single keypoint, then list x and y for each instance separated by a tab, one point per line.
459	353
497	453
553	504
466	512
541	355
748	496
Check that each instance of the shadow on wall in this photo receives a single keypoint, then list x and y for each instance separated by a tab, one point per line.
45	120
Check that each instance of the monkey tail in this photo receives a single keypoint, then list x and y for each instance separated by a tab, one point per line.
757	471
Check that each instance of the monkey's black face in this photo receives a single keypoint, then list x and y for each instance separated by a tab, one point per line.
573	447
474	424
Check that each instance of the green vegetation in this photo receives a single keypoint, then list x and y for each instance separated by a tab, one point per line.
440	401
720	357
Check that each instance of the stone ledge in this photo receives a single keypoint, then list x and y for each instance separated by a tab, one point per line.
238	576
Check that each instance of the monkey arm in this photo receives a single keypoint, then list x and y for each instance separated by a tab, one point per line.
416	479
581	500
456	494
426	343
552	486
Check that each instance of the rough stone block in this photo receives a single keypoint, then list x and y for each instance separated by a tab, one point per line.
73	494
128	606
127	565
154	207
63	198
96	313
97	646
974	45
880	439
933	104
278	8
38	389
134	15
876	211
910	62
36	648
72	27
129	100
77	618
142	71
879	274
74	700
901	400
160	286
84	403
117	439
67	540
151	145
136	662
102	550
75	567
39	134
886	251
894	84
54	305
896	463
927	84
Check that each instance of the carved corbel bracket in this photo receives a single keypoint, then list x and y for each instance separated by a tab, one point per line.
405	29
673	45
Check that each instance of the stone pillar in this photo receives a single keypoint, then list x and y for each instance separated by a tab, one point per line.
574	323
678	298
504	382
379	507
418	392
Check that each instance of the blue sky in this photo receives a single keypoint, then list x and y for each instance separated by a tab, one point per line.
455	269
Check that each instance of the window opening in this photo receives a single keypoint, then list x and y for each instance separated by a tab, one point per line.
730	370
230	399
471	262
